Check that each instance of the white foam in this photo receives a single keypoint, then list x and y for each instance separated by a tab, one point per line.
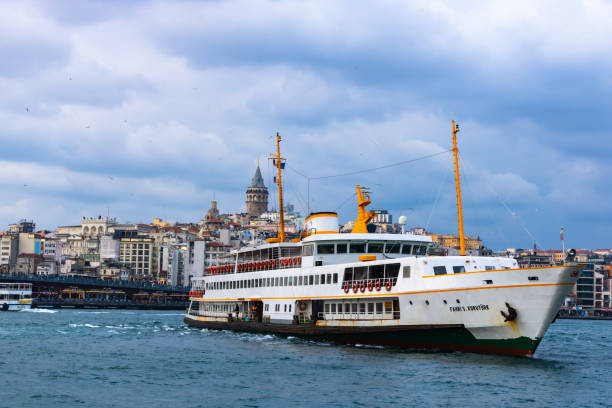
39	310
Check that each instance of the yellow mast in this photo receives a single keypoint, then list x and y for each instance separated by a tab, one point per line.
459	209
363	216
279	160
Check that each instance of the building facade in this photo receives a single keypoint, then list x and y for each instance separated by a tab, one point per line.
137	253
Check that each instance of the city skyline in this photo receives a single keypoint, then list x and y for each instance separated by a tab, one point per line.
151	109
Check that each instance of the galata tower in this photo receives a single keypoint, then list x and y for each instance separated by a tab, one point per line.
256	196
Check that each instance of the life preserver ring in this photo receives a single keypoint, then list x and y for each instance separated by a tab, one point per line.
302	305
388	285
346	288
378	285
355	287
363	287
370	286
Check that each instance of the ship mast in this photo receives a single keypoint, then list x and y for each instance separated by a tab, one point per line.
278	160
459	209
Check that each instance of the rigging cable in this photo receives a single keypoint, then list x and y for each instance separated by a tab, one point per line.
447	174
512	213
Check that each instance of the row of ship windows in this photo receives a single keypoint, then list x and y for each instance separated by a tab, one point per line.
443	270
277	308
358	308
322	279
366	247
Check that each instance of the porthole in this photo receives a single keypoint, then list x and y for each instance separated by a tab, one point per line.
444	301
411	302
458	301
427	302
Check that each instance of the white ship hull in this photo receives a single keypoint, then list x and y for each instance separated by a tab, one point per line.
503	311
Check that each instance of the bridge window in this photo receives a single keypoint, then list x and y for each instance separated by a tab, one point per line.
323	279
357	248
341	248
392	248
406	249
325	249
375	247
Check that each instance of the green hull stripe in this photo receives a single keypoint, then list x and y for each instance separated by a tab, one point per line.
447	338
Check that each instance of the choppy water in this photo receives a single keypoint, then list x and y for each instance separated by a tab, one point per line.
150	358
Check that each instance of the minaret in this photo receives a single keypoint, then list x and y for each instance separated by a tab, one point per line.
256	196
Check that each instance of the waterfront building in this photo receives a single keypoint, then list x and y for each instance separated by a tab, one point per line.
382	217
52	249
29	243
196	261
22	226
452	241
137	252
256	196
47	267
96	227
109	248
591	292
28	263
9	249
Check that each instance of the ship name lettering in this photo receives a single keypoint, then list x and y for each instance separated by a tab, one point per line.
472	308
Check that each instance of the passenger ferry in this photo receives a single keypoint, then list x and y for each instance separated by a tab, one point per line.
15	296
379	289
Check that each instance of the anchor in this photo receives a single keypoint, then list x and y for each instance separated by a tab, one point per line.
511	315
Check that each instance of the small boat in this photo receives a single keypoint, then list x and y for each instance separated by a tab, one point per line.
380	289
15	296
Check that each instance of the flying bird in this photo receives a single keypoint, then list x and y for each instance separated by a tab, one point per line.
27	109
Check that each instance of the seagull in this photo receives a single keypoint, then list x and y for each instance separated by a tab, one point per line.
110	178
87	127
27	109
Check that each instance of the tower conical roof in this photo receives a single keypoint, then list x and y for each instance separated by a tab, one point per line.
257	180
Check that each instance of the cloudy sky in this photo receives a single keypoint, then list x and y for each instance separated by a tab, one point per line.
152	108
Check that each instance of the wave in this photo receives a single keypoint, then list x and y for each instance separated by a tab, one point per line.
92	326
39	311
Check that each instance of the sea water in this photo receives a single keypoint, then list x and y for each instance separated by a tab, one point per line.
123	358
